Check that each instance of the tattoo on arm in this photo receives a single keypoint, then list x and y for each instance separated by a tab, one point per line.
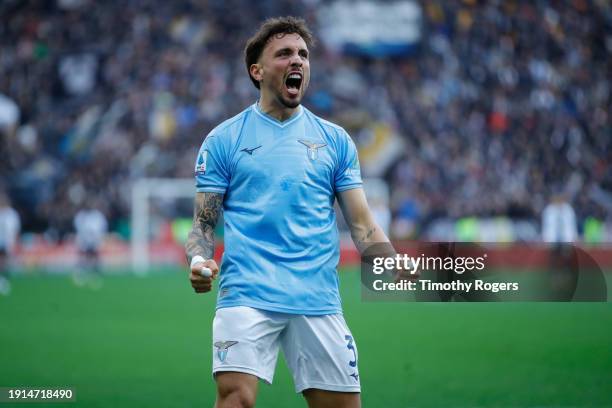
369	234
201	239
361	241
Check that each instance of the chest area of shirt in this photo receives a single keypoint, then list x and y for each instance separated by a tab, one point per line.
284	157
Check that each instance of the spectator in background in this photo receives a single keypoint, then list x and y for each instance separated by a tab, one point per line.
9	232
91	227
9	115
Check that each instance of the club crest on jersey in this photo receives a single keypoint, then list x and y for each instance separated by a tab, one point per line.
312	148
200	167
222	348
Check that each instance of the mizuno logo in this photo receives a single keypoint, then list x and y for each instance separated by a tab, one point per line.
313	148
250	151
355	376
222	347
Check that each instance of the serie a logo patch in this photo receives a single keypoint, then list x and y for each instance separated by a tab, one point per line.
200	167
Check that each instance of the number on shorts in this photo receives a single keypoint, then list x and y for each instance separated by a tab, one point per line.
352	363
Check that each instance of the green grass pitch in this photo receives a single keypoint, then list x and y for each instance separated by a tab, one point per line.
145	342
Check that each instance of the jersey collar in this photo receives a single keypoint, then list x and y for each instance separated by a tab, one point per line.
275	121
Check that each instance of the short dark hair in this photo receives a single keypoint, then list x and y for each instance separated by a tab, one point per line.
271	27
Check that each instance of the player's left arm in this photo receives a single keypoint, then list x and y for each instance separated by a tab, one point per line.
364	229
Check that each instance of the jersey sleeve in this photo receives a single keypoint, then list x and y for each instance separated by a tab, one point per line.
348	173
211	167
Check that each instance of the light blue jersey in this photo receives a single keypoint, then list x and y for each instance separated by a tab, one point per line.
279	181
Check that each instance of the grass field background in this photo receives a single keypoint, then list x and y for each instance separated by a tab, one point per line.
145	342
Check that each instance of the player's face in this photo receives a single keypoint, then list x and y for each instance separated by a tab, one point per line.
284	70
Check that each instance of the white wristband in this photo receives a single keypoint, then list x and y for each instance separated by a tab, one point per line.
197	259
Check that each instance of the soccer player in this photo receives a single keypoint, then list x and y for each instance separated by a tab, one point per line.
559	221
91	227
10	225
560	232
275	170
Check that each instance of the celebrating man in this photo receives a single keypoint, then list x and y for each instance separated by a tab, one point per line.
275	170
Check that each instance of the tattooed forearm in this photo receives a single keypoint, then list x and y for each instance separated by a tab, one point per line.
201	239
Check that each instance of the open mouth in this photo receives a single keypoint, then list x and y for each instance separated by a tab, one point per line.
294	83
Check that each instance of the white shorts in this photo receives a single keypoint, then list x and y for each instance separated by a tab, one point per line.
319	350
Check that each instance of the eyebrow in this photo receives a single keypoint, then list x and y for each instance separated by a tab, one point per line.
285	49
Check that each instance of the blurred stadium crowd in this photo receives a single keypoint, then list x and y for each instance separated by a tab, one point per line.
499	104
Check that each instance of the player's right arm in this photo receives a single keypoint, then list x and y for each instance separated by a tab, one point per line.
201	239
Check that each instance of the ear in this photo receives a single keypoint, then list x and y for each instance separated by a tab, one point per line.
256	72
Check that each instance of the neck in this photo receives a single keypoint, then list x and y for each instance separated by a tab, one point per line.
274	108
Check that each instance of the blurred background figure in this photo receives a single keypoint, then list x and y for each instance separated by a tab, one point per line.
559	230
9	233
559	221
91	228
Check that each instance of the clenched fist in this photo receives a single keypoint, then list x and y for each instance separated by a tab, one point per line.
199	281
